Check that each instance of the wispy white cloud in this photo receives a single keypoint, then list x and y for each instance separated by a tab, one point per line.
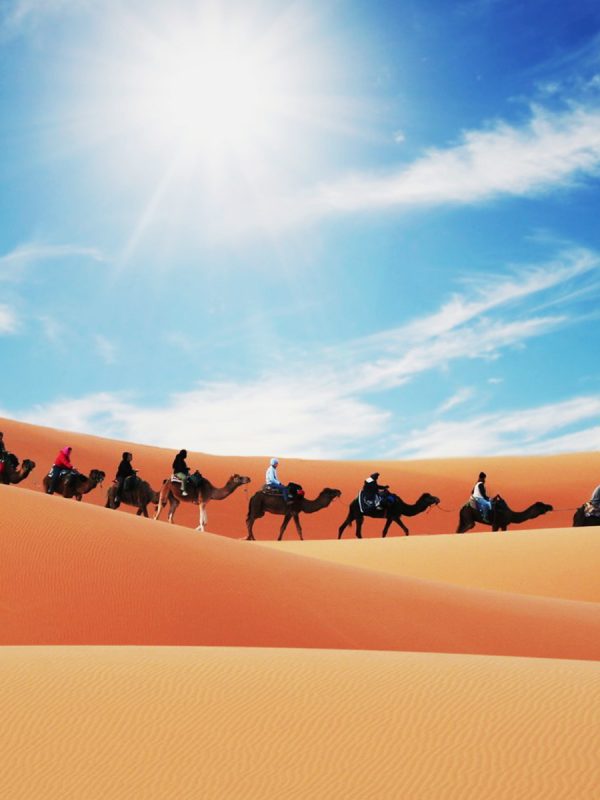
13	263
17	16
552	150
457	399
530	430
54	330
330	410
297	418
106	349
8	320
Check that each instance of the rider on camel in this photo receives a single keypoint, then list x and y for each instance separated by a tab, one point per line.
481	499
595	499
62	463
181	469
372	491
272	480
124	471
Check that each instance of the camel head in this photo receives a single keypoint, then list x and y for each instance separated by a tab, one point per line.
431	499
97	476
238	480
331	493
541	508
28	464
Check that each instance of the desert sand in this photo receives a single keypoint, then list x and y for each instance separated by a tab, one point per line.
141	659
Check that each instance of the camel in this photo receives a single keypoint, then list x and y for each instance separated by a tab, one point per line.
10	471
391	512
76	484
261	503
199	492
502	516
140	494
580	520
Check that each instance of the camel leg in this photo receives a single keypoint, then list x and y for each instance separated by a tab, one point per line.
284	525
174	505
202	518
389	521
298	527
249	526
159	507
344	525
359	522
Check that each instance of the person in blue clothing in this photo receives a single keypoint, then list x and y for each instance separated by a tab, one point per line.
272	479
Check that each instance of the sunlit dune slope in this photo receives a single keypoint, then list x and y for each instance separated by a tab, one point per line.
554	563
564	481
77	574
215	723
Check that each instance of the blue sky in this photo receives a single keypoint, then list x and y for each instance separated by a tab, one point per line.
335	229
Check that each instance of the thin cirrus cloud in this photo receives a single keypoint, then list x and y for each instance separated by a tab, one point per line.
18	16
530	430
14	263
553	149
325	413
106	349
8	320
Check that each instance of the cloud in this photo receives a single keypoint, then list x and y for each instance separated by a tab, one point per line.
531	430
457	399
21	15
15	261
286	418
8	320
553	149
469	326
106	349
324	408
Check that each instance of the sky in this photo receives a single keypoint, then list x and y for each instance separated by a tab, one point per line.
352	229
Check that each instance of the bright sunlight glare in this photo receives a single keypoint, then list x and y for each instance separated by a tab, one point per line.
208	96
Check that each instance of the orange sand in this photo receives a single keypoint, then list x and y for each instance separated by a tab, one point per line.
76	574
553	563
489	689
243	723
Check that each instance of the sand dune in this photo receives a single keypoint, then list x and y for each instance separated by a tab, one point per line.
244	723
488	688
77	574
553	563
565	481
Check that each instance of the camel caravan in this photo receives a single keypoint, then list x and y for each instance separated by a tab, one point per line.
374	500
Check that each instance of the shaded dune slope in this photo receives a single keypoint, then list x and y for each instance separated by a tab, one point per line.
77	574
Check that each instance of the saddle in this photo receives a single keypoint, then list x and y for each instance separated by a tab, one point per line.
376	505
195	479
295	491
131	482
590	510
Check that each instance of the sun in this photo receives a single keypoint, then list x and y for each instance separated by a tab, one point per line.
209	93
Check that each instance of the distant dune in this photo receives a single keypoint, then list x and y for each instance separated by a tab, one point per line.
141	659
